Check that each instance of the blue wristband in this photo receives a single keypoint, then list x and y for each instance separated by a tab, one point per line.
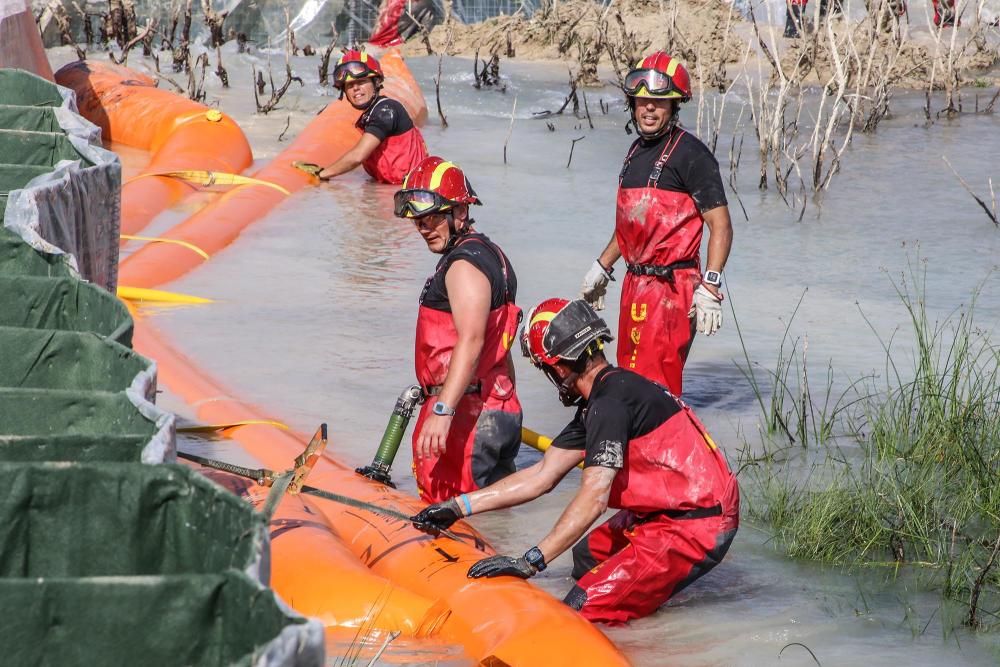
467	504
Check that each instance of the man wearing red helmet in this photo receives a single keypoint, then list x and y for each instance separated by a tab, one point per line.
469	428
643	452
669	188
390	144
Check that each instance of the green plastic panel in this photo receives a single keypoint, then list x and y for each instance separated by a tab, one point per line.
51	359
54	412
33	119
18	258
63	303
210	620
26	89
37	149
80	448
88	519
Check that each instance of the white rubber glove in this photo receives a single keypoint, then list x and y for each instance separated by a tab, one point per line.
595	285
708	309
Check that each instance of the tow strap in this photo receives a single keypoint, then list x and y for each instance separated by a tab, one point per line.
292	482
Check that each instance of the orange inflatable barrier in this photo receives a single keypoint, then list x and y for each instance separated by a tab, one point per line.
314	572
179	133
323	141
498	621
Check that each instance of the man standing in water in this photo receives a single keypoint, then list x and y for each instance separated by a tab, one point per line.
469	428
669	188
644	453
390	144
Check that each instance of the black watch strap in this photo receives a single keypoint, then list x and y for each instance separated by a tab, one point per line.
535	558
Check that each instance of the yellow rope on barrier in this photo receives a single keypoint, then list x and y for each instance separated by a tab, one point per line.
145	294
209	178
211	428
159	239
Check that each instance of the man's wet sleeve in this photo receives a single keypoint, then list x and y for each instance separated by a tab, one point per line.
607	434
574	436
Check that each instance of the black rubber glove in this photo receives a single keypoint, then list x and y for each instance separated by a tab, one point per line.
438	516
498	566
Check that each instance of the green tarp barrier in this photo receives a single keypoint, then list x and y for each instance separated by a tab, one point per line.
208	620
18	258
33	119
53	412
80	448
50	359
37	149
65	304
83	520
24	88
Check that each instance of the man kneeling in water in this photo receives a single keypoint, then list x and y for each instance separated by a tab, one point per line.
644	453
390	144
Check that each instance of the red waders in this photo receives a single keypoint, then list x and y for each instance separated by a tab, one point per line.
396	155
486	431
679	514
659	235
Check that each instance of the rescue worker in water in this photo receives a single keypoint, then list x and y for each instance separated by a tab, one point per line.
669	188
644	453
390	144
469	428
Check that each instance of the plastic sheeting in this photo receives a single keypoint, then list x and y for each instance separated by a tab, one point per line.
58	190
207	620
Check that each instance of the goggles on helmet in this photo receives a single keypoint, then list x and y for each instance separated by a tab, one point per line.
352	69
652	81
418	203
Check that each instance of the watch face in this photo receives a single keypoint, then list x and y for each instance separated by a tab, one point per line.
713	277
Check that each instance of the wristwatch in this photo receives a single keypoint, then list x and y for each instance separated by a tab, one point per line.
535	558
443	409
713	278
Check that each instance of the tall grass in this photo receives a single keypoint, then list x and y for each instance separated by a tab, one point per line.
903	470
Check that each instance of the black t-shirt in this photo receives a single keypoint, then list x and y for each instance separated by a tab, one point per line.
483	254
623	405
691	169
385	118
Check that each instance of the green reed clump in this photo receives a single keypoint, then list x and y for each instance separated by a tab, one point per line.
909	469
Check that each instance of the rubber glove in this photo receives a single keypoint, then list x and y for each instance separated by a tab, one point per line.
708	309
498	566
438	516
595	285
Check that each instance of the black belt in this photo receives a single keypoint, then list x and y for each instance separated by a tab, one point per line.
435	390
697	513
661	270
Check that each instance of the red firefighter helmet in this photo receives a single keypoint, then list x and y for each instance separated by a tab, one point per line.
433	186
560	330
659	75
354	64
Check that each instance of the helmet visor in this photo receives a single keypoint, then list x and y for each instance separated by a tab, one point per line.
650	83
352	69
418	203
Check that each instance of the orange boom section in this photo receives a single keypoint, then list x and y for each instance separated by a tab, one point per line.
326	138
504	621
179	134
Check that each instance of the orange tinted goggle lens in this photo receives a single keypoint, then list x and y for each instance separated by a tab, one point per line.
417	203
654	81
353	69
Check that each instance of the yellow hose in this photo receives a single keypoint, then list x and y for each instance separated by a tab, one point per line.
538	441
144	294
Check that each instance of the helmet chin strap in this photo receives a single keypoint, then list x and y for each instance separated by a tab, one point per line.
367	106
454	234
